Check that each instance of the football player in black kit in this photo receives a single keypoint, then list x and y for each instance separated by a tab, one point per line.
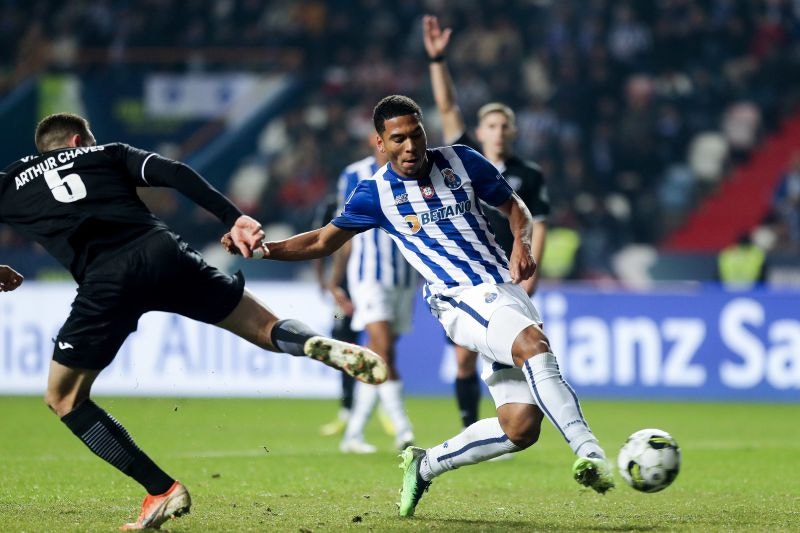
78	200
495	134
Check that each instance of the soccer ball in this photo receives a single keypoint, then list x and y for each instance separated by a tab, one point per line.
649	460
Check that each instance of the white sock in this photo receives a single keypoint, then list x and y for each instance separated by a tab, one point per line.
559	403
365	398
391	395
481	441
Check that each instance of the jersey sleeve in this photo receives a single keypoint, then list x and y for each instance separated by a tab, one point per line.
133	159
360	209
150	169
490	186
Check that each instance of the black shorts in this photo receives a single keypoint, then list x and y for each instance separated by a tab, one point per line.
157	272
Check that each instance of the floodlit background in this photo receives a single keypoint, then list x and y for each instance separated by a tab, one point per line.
667	130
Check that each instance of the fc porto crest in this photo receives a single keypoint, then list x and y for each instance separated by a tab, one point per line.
427	191
451	179
489	297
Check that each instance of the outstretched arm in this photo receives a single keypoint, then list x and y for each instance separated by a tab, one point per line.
309	245
10	279
162	172
444	91
521	263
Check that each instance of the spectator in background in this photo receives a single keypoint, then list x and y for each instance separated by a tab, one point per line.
786	204
742	265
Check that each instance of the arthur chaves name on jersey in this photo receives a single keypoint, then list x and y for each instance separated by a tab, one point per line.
50	163
78	203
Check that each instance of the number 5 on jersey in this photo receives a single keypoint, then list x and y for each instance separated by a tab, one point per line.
65	189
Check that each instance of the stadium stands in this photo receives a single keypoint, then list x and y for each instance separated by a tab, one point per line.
637	111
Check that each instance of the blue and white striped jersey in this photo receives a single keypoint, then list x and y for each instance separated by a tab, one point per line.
374	256
437	221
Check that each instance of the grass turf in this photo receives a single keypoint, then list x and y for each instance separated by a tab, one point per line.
259	465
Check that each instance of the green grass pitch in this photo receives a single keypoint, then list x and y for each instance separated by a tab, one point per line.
259	465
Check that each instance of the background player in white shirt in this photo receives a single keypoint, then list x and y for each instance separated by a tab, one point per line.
427	199
381	284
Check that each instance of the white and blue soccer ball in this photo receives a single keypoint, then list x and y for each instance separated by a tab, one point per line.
649	460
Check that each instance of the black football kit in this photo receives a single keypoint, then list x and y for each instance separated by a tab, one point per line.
81	205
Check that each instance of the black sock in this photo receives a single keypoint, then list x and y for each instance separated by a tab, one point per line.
289	335
111	442
348	383
468	397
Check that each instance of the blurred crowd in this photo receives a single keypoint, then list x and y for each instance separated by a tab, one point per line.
635	110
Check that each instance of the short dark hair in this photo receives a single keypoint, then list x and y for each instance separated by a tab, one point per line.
54	130
393	106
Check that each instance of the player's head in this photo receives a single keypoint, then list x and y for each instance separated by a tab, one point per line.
63	130
398	121
496	129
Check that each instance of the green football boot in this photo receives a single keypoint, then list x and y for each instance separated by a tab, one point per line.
593	472
413	484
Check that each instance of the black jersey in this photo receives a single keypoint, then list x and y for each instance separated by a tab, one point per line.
527	180
81	203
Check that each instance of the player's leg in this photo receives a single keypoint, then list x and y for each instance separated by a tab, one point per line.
342	332
467	385
531	351
382	340
364	401
189	286
254	322
515	428
105	311
67	395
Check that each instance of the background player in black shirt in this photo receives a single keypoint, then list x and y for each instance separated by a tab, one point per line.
10	279
494	135
78	200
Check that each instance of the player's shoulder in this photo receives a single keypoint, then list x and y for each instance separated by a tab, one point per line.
524	166
18	165
460	151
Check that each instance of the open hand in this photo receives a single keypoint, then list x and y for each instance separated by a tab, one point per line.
434	37
245	236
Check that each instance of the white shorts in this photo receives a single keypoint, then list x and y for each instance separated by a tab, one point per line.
487	319
374	302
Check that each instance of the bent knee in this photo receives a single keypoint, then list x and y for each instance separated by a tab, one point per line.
524	437
61	404
522	426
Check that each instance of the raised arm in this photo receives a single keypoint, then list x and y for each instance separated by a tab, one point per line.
444	91
10	279
521	263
